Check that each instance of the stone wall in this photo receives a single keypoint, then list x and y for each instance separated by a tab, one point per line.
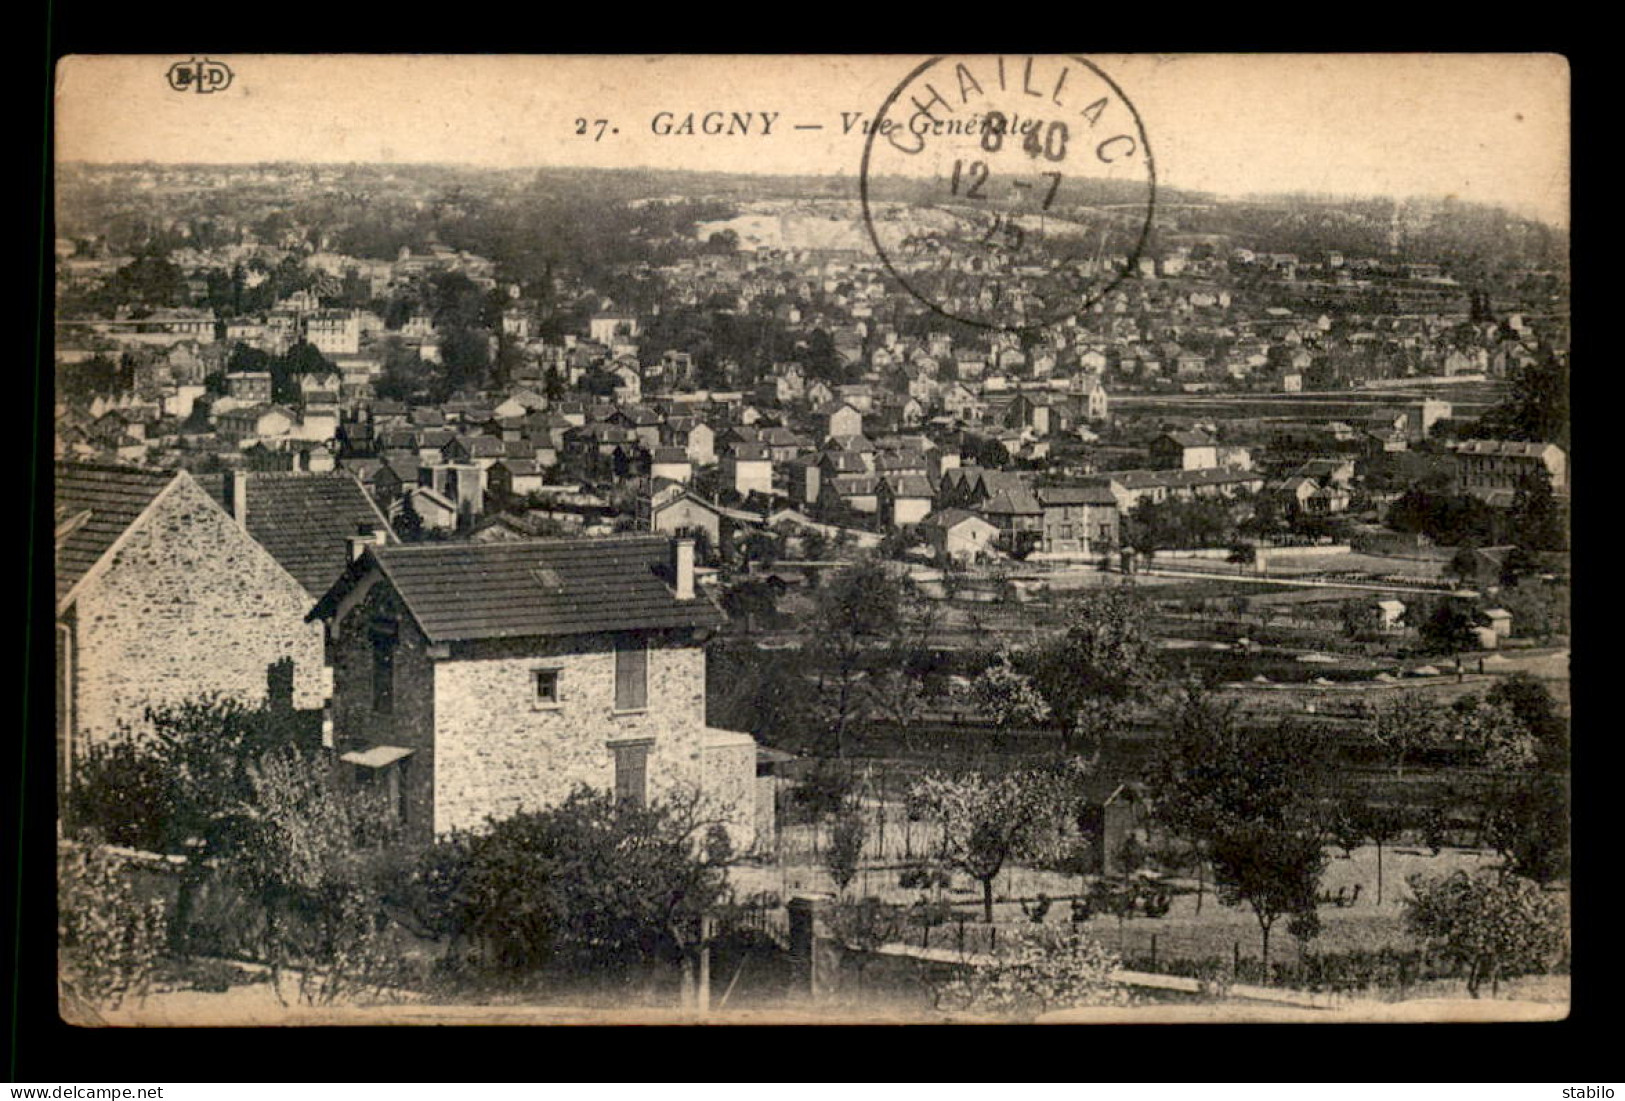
410	720
498	751
188	605
729	786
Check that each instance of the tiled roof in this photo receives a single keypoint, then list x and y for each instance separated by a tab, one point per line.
1012	502
533	588
910	485
949	518
114	496
1505	447
304	520
1075	495
1149	479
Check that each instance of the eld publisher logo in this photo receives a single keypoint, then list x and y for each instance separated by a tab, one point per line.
199	76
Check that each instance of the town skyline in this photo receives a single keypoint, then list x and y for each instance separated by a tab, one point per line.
1406	128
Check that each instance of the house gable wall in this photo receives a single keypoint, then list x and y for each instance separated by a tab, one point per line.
497	751
188	604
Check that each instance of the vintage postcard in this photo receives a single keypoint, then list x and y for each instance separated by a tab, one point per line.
739	539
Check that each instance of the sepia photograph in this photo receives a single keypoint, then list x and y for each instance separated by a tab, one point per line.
795	539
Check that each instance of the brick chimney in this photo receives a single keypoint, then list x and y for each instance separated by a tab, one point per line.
365	536
682	568
237	496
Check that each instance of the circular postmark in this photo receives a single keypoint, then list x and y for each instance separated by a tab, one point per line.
1008	193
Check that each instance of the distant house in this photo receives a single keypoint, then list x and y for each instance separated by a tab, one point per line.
475	680
748	468
437	511
1110	819
672	463
1494	470
957	535
1018	516
1081	519
255	422
1184	451
840	418
903	499
849	493
512	478
161	598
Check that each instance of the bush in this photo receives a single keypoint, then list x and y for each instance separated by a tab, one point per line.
122	792
109	939
924	878
1035	971
597	882
824	791
845	849
1494	925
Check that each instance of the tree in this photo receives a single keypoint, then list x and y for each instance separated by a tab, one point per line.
1492	734
1536	406
1006	696
1527	824
1536	521
1253	800
1493	925
1361	618
1447	626
1532	705
311	859
897	696
1382	824
841	859
1270	870
405	375
1406	726
408	522
988	821
178	782
855	612
1106	660
750	600
1035	971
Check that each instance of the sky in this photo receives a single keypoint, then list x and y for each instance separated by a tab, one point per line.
1481	128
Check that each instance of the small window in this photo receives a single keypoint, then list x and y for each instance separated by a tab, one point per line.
546	682
631	675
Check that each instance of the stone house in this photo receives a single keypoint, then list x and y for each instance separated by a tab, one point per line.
1079	519
748	468
903	499
162	597
957	535
473	681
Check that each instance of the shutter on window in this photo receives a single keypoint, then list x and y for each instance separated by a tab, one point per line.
631	677
632	774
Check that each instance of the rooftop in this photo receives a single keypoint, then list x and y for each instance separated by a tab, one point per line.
95	504
532	588
304	520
